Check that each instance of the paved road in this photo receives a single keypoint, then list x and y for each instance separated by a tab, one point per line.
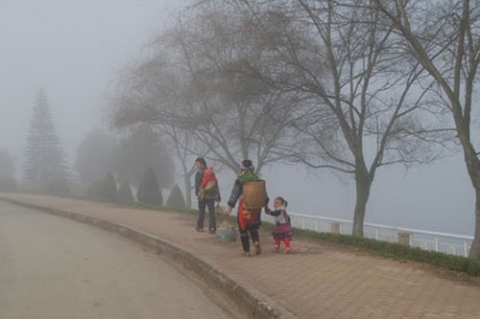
316	281
54	268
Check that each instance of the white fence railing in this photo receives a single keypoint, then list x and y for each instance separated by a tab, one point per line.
441	242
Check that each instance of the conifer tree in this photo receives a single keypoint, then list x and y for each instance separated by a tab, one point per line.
176	198
44	157
7	171
94	189
103	189
148	191
125	193
7	164
109	188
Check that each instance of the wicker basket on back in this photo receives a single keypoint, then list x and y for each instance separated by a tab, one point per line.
254	194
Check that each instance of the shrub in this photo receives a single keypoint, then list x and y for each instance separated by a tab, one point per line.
397	251
125	194
103	189
176	198
148	191
55	186
94	189
109	188
8	183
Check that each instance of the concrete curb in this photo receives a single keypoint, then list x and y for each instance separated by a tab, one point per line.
244	299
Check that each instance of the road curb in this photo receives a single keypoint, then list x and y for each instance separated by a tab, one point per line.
255	307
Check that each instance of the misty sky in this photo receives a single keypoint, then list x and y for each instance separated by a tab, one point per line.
74	49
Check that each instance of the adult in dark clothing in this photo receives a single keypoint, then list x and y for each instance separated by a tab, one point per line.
248	220
207	200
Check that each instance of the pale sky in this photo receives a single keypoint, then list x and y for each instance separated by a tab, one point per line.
73	49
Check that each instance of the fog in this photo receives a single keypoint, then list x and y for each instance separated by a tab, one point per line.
74	50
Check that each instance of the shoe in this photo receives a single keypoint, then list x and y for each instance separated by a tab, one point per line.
212	230
287	250
258	248
200	230
246	254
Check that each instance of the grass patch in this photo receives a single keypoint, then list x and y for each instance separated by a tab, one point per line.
397	251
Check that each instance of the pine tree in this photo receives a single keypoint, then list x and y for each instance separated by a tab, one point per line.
7	164
148	191
94	189
44	156
7	171
109	190
176	198
125	194
104	189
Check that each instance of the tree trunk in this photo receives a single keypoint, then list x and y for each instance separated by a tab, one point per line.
363	184
188	189
475	249
473	168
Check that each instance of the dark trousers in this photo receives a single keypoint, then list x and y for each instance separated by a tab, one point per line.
245	238
210	204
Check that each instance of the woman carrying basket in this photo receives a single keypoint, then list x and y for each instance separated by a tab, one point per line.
248	219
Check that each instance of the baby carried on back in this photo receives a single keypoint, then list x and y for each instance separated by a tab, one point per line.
209	185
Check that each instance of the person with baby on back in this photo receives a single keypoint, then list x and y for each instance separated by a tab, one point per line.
248	218
207	192
208	184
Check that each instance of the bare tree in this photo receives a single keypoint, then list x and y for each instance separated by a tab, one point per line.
203	78
150	93
443	36
237	113
363	100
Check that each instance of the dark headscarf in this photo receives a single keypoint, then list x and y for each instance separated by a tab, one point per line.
202	161
246	163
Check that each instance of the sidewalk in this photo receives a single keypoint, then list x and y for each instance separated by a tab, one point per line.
315	281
